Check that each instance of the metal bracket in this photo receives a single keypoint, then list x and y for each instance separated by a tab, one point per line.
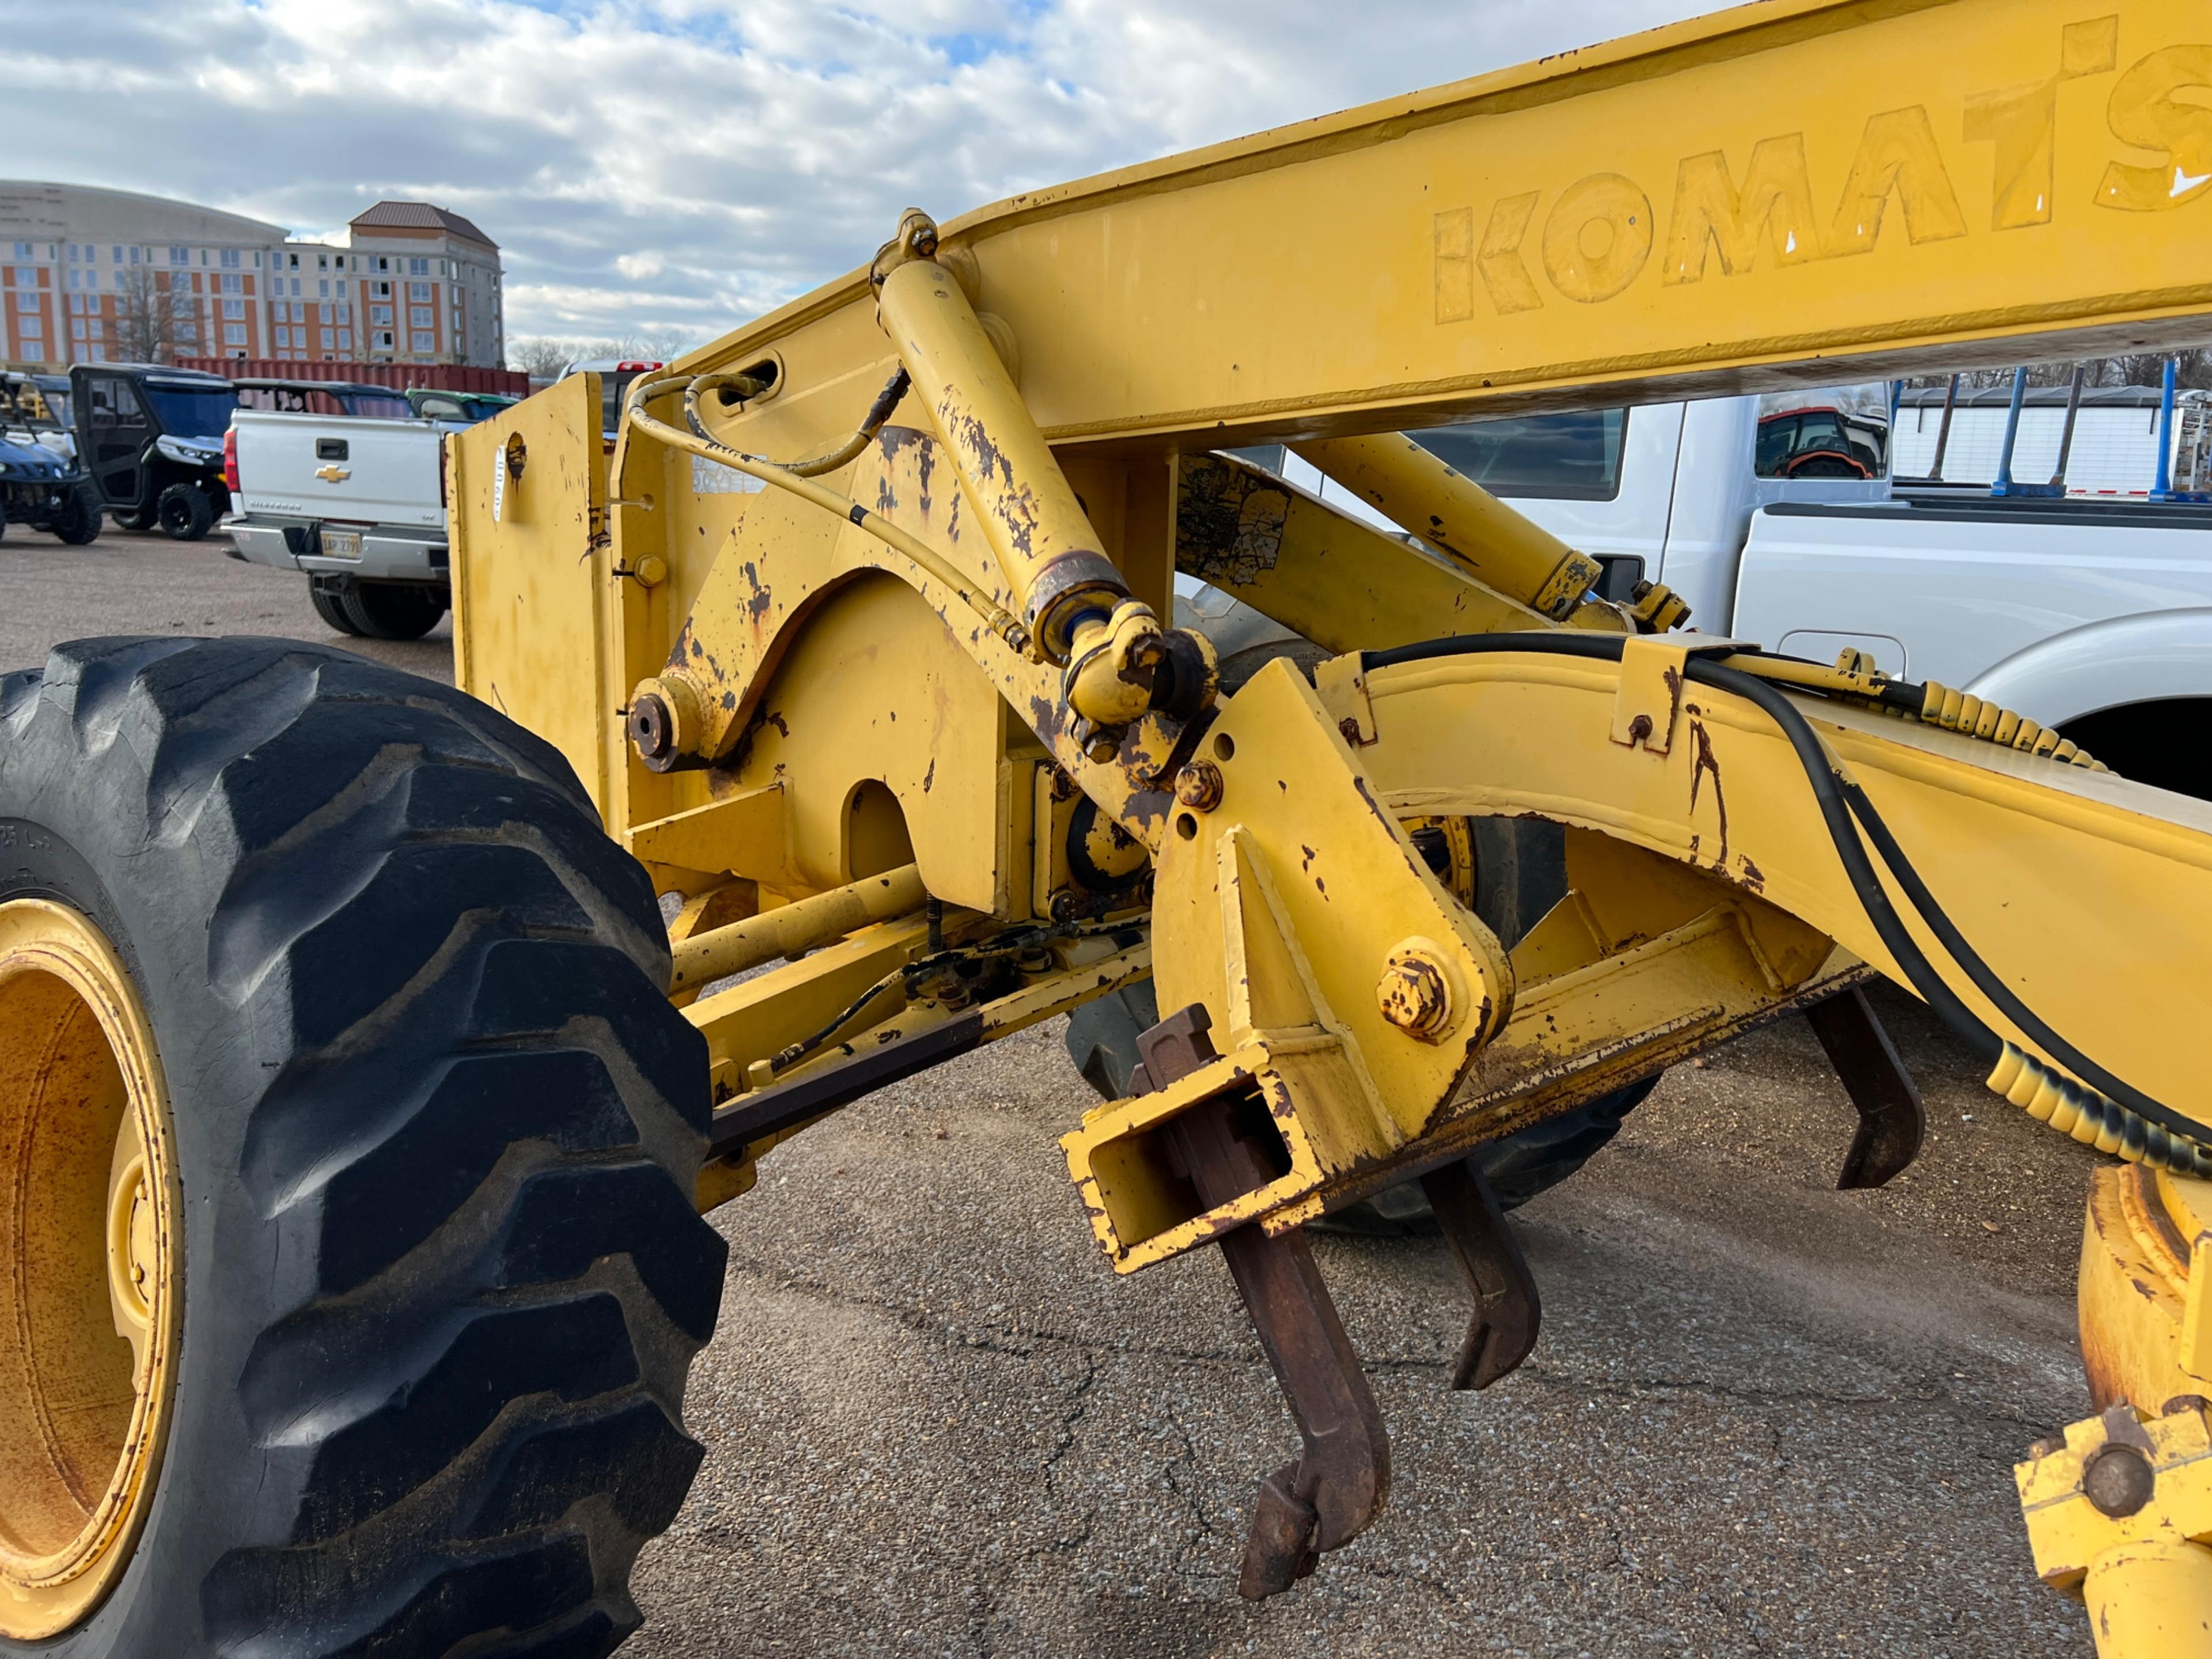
1652	673
1337	1486
1650	694
1507	1309
1890	1122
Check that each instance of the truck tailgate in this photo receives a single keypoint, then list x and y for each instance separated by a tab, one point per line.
353	471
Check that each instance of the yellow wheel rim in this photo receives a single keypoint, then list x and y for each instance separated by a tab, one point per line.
90	1267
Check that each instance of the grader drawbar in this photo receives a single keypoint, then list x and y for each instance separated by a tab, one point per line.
354	1085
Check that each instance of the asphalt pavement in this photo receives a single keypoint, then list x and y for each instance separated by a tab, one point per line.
1764	1417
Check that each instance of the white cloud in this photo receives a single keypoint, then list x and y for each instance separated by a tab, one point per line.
650	166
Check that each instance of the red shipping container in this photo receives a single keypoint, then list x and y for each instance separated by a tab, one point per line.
435	377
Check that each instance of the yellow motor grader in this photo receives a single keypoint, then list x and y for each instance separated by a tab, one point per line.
359	1104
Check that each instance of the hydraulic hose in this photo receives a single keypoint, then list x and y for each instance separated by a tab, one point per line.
2109	1113
916	552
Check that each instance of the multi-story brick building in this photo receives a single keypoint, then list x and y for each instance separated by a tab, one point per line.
102	275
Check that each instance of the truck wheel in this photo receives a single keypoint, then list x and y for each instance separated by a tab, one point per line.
328	597
392	610
184	513
79	522
355	1144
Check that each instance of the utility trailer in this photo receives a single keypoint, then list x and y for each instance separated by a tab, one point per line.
363	1108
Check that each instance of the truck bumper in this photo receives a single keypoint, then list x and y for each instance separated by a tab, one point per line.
263	541
387	554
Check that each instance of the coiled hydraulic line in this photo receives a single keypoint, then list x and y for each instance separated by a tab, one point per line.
1956	711
2099	1109
798	477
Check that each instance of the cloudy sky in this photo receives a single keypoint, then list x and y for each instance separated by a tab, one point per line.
658	167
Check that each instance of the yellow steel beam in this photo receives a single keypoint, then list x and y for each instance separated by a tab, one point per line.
1801	187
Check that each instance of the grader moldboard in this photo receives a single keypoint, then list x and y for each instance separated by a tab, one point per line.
359	1120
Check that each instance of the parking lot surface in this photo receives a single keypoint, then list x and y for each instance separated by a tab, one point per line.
1764	1417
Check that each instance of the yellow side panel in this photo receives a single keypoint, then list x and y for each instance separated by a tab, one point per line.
530	564
874	688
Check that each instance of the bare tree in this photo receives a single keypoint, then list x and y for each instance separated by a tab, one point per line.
544	356
147	316
539	357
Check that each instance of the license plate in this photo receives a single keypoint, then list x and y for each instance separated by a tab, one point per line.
341	543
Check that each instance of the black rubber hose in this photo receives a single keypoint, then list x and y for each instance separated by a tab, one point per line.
1840	801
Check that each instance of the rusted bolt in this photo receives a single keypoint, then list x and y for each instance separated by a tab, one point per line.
2118	1481
1198	786
1415	993
1350	729
1639	728
652	727
1099	744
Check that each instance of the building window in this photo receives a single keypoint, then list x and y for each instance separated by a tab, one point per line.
421	317
419	291
233	283
30	327
77	328
235	310
345	339
425	341
327	340
230	259
380	316
27	300
384	339
323	288
379	290
283	336
234	334
344	311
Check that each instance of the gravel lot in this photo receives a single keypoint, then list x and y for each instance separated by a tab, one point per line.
1764	1417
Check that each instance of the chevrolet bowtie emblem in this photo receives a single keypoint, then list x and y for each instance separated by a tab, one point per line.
333	474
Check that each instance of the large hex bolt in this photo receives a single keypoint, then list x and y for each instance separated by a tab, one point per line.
652	727
1415	992
2118	1481
1198	786
662	720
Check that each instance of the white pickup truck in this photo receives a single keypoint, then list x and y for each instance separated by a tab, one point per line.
358	505
2091	615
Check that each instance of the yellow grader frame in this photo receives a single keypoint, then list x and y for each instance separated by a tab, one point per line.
858	632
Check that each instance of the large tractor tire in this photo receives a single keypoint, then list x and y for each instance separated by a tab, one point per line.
350	1269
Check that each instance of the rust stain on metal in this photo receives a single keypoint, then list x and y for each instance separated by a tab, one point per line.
1707	762
1229	523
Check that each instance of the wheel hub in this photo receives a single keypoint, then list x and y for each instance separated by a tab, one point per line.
90	1269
